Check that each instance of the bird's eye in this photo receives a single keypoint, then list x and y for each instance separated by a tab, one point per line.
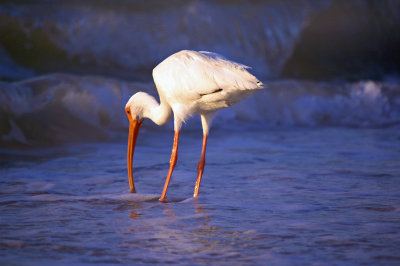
128	112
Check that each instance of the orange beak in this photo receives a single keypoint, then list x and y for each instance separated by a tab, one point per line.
134	127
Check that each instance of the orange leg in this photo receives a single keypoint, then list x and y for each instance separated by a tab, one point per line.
172	163
200	167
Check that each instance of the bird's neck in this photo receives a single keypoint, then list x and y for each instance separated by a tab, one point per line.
158	113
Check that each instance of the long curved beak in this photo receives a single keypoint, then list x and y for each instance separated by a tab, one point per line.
134	127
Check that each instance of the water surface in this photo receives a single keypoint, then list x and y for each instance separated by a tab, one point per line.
275	197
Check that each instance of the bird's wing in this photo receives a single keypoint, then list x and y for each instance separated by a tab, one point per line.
228	74
189	75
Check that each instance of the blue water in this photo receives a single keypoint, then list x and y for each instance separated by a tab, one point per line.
274	197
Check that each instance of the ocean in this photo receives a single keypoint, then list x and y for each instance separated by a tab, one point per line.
305	172
278	197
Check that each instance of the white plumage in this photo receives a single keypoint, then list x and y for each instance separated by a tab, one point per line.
190	82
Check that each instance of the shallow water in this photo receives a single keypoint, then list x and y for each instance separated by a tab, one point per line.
293	196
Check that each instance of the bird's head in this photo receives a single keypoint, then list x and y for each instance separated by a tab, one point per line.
141	105
134	108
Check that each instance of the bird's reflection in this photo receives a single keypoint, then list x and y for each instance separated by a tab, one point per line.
169	211
201	210
181	227
134	214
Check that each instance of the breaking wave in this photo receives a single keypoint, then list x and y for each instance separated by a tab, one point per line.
284	41
61	107
128	38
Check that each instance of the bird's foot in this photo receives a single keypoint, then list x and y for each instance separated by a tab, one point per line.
163	199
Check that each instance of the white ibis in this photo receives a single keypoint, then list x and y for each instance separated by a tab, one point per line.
188	83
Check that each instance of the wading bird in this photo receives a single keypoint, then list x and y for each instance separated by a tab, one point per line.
188	82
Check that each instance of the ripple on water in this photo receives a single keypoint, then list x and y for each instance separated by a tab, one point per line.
307	202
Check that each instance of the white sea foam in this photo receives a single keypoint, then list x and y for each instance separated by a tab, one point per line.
66	107
134	197
294	103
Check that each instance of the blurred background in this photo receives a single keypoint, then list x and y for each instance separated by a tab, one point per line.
67	68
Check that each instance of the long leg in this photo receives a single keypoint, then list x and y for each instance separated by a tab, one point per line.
172	163
206	120
200	166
